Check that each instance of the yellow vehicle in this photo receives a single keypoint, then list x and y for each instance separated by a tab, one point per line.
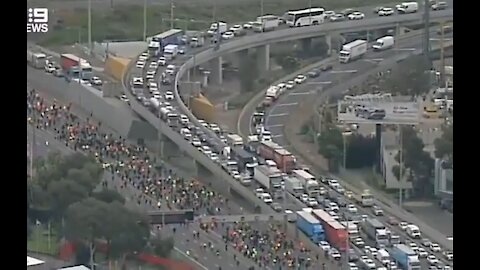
431	111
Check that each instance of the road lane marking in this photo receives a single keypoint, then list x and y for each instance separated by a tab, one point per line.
286	104
275	126
405	49
328	82
192	259
277	115
299	93
343	71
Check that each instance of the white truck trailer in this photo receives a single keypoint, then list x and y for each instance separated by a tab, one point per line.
269	178
266	23
353	50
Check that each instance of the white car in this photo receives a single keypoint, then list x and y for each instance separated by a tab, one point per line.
335	254
422	253
259	192
236	29
140	64
267	198
236	175
333	183
143	57
290	85
352	209
413	246
124	98
304	198
248	25
403	225
359	242
196	143
153	65
329	13
435	247
162	61
214	157
228	35
356	16
312	202
368	262
169	95
324	245
171	69
334	207
386	12
300	79
96	81
340	189
432	260
352	266
150	75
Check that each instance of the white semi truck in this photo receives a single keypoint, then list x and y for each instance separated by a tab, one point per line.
269	178
266	23
36	60
353	50
294	186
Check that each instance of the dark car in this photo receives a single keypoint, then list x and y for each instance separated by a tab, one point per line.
352	257
326	67
377	9
341	203
314	73
166	81
347	11
446	29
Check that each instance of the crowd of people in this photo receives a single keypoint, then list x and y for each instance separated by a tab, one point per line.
132	164
134	167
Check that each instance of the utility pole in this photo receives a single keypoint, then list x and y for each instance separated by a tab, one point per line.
426	44
261	8
144	20
442	54
172	7
90	26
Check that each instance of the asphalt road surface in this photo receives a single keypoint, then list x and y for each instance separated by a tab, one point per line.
327	84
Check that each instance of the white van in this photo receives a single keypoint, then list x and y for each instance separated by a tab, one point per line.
383	257
407	7
413	231
384	43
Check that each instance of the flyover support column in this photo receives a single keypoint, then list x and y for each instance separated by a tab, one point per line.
306	44
216	70
328	40
263	58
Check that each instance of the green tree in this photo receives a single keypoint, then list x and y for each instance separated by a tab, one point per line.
330	143
248	73
418	164
64	193
108	196
414	68
444	144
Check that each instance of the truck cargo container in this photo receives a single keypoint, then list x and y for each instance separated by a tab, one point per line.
310	184
266	23
36	60
351	227
285	160
365	199
267	177
294	186
375	230
273	92
335	232
172	36
67	61
234	140
310	226
405	257
352	51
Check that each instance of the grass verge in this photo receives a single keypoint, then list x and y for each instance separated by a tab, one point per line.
41	241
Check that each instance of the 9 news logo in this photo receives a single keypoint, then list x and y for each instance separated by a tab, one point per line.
37	20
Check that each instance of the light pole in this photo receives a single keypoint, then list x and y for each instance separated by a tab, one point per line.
172	7
261	7
89	25
144	20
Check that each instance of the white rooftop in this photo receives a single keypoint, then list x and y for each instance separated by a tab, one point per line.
78	267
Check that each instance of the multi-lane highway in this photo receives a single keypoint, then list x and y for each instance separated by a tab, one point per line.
328	83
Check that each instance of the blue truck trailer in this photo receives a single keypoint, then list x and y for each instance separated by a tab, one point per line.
310	226
405	257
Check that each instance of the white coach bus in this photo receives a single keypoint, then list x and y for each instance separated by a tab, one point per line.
305	17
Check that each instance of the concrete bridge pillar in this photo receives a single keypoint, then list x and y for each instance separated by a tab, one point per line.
167	148
328	40
216	71
263	58
306	44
